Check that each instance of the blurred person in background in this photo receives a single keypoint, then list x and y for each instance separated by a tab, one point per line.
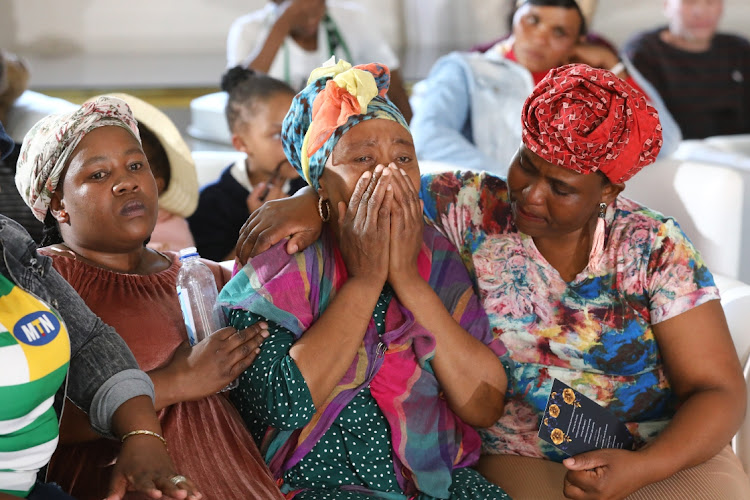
703	76
288	39
466	111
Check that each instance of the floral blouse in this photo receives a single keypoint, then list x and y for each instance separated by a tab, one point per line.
595	332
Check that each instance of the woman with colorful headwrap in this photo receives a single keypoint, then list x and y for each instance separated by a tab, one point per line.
380	359
466	110
597	291
86	175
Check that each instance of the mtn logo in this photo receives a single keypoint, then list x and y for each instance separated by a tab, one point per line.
36	329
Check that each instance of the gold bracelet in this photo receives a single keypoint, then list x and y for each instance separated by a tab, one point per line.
143	432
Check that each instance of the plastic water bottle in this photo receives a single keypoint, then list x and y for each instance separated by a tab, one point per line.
196	289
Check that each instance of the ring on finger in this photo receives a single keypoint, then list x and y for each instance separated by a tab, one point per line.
177	479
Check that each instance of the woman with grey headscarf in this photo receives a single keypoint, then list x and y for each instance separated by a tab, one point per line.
86	175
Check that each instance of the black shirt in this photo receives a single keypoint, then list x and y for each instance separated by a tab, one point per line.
11	203
708	93
222	210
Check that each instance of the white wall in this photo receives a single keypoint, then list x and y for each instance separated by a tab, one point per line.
190	26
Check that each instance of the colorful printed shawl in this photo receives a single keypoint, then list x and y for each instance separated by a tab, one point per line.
429	440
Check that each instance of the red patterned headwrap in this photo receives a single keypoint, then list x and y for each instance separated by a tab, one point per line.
587	119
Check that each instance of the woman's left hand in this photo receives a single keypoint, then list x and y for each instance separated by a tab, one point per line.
606	474
406	229
144	465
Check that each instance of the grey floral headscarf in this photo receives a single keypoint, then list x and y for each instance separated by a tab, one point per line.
49	144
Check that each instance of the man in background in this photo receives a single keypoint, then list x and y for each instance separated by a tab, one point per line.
703	76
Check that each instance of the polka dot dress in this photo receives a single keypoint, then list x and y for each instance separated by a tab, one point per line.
356	451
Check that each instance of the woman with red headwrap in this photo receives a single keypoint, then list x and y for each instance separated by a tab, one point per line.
597	291
601	293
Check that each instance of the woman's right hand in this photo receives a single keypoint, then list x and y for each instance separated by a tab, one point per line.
205	368
296	217
364	226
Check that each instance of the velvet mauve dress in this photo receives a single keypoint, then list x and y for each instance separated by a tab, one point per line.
207	439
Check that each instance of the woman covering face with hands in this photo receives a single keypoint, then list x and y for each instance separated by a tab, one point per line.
377	365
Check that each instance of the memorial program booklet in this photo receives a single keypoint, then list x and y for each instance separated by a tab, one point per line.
576	424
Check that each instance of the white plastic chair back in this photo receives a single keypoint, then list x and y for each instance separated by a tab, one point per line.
210	164
207	119
705	200
29	108
735	300
731	143
436	167
741	440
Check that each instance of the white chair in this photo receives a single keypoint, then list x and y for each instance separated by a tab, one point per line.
29	108
741	440
436	167
705	200
731	143
732	152
735	300
207	119
210	164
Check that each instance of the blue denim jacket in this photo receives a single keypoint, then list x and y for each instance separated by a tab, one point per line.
103	373
467	112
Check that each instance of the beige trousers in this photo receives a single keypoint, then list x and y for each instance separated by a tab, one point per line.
524	478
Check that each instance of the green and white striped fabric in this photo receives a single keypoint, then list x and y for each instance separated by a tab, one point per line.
34	357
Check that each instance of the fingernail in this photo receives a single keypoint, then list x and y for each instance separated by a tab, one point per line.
292	249
387	171
263	325
389	188
403	171
264	334
379	169
366	175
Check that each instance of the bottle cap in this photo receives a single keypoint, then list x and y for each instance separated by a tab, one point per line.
188	252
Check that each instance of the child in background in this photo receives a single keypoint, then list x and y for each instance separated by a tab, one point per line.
255	109
174	170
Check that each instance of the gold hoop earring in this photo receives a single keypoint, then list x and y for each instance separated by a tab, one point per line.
321	202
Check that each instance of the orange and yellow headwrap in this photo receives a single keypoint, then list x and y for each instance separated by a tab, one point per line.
337	97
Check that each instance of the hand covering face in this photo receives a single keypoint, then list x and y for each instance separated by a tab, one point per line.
48	145
587	119
337	97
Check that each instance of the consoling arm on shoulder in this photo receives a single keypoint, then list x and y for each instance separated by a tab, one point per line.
705	374
295	218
